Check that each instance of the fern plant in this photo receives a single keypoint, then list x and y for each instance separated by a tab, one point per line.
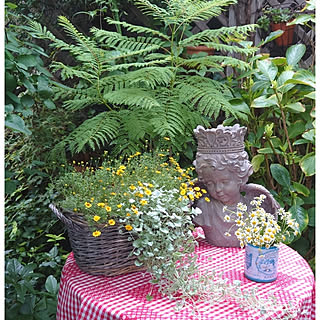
144	80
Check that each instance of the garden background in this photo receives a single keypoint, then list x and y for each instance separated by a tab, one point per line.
88	82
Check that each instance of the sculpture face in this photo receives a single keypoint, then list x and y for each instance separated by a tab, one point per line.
222	185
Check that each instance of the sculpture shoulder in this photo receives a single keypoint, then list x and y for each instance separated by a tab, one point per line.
255	190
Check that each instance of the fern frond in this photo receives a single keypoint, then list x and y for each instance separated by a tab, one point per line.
140	29
151	9
120	42
93	133
132	97
138	64
190	10
77	36
71	72
225	34
207	96
230	61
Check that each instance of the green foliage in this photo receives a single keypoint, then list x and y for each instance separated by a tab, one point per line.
27	81
144	79
23	299
281	140
274	15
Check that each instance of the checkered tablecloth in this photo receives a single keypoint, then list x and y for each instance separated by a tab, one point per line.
86	297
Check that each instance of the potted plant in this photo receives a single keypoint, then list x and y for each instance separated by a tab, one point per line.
135	208
260	233
277	19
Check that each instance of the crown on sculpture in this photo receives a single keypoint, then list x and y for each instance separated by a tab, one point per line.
221	139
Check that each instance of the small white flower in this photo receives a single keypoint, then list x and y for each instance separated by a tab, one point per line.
226	218
227	234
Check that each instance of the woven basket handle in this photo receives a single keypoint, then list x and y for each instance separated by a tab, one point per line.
69	223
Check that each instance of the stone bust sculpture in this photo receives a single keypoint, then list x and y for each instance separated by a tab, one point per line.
223	170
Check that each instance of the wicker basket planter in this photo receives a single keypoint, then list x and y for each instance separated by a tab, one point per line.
107	255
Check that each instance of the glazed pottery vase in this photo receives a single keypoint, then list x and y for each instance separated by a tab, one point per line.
261	264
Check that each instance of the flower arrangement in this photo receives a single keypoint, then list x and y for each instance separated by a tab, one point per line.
149	198
144	195
260	228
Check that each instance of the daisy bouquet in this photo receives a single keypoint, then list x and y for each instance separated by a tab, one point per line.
257	227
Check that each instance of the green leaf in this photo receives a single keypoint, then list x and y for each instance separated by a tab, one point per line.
307	164
268	69
280	174
10	81
311	95
43	87
28	60
256	162
300	141
296	129
264	101
310	135
300	215
296	107
49	104
265	151
51	285
8	108
295	53
273	35
16	123
304	77
300	188
149	297
27	101
312	217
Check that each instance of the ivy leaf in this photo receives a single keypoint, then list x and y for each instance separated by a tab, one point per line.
300	215
256	162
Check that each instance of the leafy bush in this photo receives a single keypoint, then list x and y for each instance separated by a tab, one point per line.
27	81
144	85
281	140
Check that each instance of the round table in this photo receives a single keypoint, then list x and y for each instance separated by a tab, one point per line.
86	297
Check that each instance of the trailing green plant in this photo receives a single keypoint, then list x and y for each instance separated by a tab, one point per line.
281	139
145	85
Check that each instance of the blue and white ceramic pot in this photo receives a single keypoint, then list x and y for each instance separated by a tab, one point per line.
261	264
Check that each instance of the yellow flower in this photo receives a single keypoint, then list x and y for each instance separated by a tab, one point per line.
96	218
88	204
166	138
96	233
101	204
92	199
143	202
119	205
75	209
108	208
207	199
203	191
150	185
132	187
147	192
197	188
128	214
128	227
157	171
183	192
113	193
111	222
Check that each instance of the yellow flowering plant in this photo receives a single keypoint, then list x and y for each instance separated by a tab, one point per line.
259	228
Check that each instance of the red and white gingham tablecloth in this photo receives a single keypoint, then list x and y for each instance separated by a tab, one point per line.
86	297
